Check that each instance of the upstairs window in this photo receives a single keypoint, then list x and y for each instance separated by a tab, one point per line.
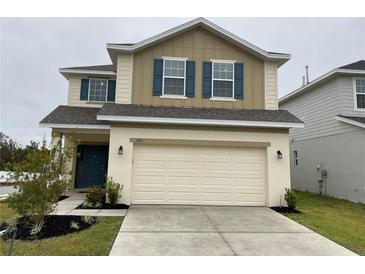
223	79
296	159
174	77
360	94
98	90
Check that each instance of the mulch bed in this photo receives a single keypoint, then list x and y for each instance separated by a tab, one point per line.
104	206
62	197
54	225
283	209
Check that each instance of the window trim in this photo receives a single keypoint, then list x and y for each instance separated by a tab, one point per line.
355	93
106	94
220	98
173	96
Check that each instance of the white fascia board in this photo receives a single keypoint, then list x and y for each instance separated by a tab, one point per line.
64	72
349	121
283	57
320	79
74	126
204	122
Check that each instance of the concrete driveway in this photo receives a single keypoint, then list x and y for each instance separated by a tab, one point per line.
211	230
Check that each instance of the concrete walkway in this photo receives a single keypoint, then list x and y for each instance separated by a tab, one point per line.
68	207
210	230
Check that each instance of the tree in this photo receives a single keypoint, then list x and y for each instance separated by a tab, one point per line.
41	178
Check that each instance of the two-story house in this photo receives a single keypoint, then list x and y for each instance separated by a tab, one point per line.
328	154
189	116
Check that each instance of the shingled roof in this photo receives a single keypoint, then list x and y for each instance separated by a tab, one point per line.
88	116
355	118
282	116
73	115
359	65
96	68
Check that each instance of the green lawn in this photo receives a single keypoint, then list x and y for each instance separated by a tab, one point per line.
339	220
96	240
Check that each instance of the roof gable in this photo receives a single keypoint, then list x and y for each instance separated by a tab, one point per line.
281	58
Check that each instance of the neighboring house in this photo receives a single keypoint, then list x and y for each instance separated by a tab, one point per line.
333	139
189	116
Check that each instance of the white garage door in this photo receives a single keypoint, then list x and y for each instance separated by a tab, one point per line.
173	174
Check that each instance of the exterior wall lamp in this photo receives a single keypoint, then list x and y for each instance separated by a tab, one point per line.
120	150
280	155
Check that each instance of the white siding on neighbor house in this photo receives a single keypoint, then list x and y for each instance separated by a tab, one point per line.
124	79
74	86
318	108
348	97
271	85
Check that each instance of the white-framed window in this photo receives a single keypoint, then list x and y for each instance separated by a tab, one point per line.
296	159
98	90
359	93
223	79
174	72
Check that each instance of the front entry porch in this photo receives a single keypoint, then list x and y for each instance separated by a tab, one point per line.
89	164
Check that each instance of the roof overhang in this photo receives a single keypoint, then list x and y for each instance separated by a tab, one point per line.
280	58
349	121
68	72
320	80
200	122
74	126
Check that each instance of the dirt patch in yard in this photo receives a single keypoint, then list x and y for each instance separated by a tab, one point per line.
103	206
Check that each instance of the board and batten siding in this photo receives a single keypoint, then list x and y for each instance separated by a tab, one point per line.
348	98
124	79
74	85
198	45
318	108
271	85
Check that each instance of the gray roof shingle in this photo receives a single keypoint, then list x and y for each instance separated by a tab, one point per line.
73	115
359	65
198	113
99	67
355	118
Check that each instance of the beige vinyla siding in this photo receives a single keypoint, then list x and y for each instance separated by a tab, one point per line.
276	173
271	85
198	45
124	79
74	85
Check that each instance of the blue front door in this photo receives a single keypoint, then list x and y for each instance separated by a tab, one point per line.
91	166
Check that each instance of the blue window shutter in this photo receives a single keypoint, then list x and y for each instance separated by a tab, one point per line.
190	79
111	91
84	90
157	77
238	80
207	79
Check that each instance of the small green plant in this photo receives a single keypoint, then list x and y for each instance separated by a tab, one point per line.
36	229
88	219
74	225
95	196
291	199
113	191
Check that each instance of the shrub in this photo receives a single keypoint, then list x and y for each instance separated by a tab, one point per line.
95	196
291	199
113	191
41	178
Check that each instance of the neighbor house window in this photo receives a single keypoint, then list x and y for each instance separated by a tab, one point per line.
223	81
296	160
174	77
98	90
360	94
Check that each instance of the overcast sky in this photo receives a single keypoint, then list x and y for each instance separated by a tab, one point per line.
32	51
